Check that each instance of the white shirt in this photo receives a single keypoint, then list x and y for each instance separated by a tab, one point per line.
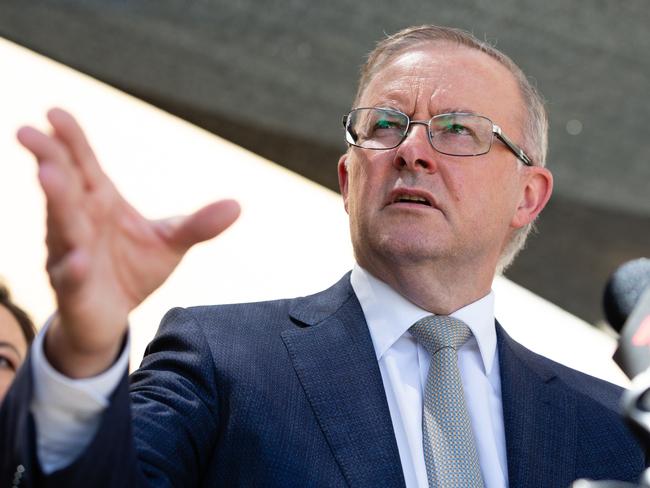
404	365
67	412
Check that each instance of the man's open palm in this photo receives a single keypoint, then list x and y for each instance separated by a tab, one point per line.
104	257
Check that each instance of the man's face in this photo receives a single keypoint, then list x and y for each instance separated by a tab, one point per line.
473	202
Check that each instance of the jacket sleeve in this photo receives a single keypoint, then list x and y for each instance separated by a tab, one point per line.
158	430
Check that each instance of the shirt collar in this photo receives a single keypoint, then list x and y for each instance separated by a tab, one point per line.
389	315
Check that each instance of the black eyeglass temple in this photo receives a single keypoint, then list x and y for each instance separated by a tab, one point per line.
519	152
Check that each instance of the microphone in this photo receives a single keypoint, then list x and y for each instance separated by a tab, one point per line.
626	302
627	307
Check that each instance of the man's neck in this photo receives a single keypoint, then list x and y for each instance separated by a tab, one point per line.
437	289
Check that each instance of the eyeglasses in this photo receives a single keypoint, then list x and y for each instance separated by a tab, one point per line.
454	134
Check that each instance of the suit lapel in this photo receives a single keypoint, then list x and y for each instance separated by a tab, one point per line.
539	418
333	356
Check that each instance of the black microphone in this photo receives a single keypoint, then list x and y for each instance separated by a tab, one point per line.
627	307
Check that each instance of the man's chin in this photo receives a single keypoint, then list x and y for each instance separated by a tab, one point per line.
404	251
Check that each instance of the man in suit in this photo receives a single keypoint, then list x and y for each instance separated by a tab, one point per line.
443	179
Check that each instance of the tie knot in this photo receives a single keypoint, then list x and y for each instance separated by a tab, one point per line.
435	332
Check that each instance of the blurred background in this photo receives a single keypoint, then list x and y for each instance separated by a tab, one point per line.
276	76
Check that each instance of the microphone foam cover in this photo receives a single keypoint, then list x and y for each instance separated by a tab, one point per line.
624	289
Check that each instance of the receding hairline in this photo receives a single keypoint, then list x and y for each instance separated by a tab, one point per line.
383	61
413	37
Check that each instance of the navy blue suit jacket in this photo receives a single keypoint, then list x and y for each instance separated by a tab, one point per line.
289	393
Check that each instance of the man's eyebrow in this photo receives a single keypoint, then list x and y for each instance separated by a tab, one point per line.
391	102
455	110
398	96
10	346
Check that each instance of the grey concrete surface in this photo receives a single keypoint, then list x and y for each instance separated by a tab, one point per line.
276	76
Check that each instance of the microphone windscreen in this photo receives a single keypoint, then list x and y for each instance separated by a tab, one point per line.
624	289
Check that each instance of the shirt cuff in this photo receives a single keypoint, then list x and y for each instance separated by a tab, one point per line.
67	411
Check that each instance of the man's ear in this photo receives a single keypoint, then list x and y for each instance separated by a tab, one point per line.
538	186
343	179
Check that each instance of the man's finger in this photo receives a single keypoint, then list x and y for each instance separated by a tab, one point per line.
202	225
70	133
43	146
67	223
63	190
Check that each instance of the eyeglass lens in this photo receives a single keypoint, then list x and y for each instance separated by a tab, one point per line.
454	134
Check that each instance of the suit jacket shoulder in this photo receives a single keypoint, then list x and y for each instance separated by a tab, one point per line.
279	393
561	424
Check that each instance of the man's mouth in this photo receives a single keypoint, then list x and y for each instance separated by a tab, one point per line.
411	199
411	196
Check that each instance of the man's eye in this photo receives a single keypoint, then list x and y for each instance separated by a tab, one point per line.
384	124
458	129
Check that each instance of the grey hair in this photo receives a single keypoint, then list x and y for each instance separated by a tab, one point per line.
535	130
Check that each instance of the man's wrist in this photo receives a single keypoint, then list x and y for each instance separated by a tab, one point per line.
68	411
72	361
52	385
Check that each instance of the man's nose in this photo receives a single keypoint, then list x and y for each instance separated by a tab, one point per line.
415	152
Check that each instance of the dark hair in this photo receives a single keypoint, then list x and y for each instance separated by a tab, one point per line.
26	324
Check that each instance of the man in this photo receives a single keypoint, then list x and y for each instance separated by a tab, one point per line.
443	178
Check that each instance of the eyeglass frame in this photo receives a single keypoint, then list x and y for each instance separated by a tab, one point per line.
496	130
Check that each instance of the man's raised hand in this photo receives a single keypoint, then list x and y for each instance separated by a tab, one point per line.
104	258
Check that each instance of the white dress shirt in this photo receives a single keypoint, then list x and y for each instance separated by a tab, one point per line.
67	412
404	365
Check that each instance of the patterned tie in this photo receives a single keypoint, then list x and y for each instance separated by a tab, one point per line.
448	442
